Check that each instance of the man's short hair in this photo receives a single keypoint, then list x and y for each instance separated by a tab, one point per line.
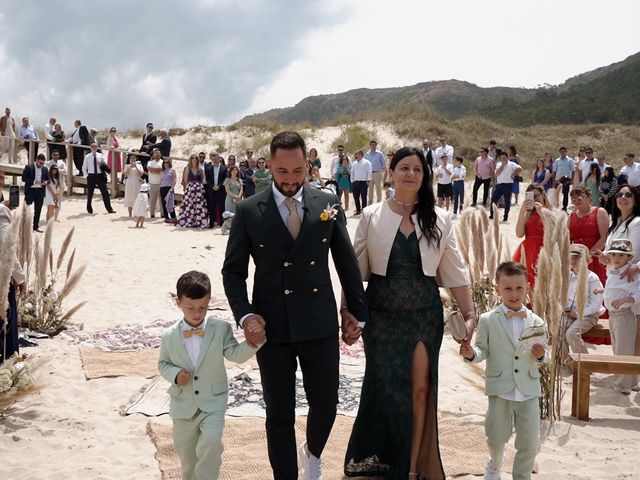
484	149
562	148
511	269
373	142
193	285
149	125
630	155
41	157
492	142
164	130
287	141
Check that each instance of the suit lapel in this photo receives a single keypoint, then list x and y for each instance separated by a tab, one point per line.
206	343
177	340
269	209
502	319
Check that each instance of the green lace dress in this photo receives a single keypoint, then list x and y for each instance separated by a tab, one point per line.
404	309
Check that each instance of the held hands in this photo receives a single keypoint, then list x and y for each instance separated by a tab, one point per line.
618	302
351	331
254	330
466	350
183	377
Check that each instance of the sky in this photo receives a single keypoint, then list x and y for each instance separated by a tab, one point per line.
181	63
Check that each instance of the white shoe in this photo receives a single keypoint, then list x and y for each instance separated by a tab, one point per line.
311	465
491	473
454	216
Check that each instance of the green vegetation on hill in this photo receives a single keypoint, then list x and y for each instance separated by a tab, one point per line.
608	94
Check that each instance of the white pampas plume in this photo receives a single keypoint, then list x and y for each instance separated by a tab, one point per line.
540	289
64	248
7	260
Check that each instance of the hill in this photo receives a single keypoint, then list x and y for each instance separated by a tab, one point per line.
607	94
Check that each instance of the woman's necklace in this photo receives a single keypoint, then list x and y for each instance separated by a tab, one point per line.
403	203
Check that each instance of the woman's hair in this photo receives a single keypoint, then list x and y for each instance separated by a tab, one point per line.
579	190
55	177
313	150
193	157
234	169
512	150
540	160
168	160
610	171
343	158
616	213
547	154
425	208
540	190
594	171
194	285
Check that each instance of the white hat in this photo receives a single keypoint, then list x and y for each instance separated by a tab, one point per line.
144	188
621	246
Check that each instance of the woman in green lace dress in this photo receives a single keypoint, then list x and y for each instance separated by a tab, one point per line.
406	248
234	189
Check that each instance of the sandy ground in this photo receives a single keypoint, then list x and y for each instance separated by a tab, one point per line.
72	429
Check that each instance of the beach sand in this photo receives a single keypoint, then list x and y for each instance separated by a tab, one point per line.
71	429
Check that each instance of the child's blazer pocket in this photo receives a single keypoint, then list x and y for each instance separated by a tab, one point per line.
219	388
534	372
493	372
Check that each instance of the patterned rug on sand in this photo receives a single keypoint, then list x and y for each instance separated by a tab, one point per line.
463	448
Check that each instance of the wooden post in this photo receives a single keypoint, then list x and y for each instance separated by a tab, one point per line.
32	156
70	167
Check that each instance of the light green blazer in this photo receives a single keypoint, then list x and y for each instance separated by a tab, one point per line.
208	389
509	363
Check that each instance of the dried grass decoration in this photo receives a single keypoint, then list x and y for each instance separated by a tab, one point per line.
41	308
16	380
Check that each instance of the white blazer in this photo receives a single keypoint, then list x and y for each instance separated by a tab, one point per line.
375	235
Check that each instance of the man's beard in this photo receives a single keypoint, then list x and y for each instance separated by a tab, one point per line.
287	194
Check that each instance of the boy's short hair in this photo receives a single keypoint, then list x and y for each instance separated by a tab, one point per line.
511	269
193	285
460	159
386	184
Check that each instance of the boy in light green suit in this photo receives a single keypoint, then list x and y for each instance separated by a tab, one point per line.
512	373
192	356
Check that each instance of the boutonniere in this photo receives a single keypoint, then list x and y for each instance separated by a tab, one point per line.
329	213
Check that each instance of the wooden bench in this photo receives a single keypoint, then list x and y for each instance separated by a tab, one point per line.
600	330
621	364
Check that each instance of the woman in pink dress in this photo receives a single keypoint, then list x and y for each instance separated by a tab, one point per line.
588	225
113	158
530	227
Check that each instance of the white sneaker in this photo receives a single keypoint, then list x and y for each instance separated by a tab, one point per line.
491	473
311	465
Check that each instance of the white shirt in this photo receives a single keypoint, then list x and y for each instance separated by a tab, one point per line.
154	178
279	198
192	344
633	174
507	171
361	170
444	174
88	164
38	178
617	287
441	150
459	172
216	174
48	131
75	137
516	324
593	304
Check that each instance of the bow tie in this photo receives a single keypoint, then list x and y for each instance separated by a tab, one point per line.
194	331
510	314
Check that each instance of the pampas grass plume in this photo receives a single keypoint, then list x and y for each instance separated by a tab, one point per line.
7	260
64	248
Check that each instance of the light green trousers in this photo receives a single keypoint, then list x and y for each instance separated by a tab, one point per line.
198	443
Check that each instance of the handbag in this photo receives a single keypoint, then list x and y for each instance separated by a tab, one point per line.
169	201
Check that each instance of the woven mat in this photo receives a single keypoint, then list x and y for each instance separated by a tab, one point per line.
463	448
139	363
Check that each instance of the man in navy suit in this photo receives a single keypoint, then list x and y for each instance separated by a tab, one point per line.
216	174
36	178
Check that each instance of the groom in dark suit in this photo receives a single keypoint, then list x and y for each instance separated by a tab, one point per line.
36	178
288	231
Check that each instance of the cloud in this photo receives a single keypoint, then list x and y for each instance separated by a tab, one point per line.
124	63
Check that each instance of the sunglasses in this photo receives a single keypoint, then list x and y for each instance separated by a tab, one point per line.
624	194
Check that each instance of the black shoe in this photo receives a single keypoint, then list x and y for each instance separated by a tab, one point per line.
111	211
153	216
90	210
23	342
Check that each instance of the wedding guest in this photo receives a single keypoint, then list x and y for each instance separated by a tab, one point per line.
261	176
8	129
114	161
592	183
631	170
199	384
58	142
505	172
515	158
541	174
548	160
215	173
167	184
512	379
608	188
588	225
246	177
154	167
35	177
164	145
17	283
193	211
360	179
343	177
378	171
62	168
233	187
564	170
133	173
444	171
530	226
53	193
483	171
141	205
457	179
92	167
80	136
406	248
27	132
148	139
314	159
574	326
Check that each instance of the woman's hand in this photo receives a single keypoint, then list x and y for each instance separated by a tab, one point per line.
631	272
528	205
